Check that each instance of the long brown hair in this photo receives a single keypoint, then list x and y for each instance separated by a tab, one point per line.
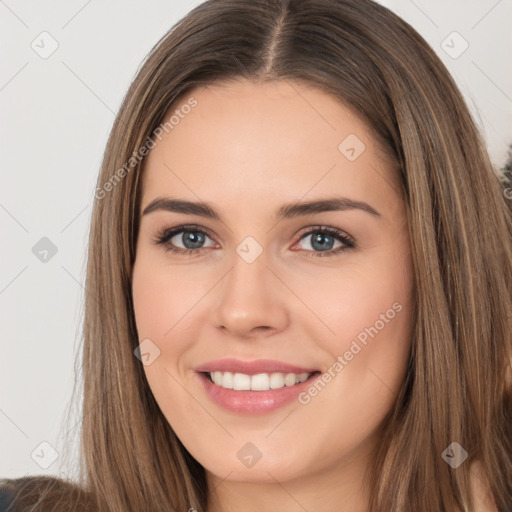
460	226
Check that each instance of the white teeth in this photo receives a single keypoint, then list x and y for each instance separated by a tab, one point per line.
227	380
241	382
258	382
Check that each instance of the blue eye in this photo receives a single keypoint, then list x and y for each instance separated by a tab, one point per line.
323	238
193	238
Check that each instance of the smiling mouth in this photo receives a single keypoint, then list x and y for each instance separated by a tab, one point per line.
258	382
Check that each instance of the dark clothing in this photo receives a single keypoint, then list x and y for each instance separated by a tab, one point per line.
5	501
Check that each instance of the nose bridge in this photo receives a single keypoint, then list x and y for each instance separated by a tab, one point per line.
248	278
249	296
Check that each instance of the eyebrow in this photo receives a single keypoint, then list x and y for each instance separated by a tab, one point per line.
285	212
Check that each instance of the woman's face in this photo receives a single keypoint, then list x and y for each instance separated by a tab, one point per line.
260	283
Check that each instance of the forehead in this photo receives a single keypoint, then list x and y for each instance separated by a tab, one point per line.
279	141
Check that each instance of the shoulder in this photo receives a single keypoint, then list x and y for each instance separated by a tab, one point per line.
480	489
41	493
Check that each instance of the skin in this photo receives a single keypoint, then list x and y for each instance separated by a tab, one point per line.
481	489
274	144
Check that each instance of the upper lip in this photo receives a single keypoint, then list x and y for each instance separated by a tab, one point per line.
251	367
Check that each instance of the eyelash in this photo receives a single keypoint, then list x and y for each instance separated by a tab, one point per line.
163	237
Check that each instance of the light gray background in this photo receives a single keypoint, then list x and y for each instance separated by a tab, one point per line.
56	116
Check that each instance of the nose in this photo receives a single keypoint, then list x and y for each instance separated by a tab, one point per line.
251	299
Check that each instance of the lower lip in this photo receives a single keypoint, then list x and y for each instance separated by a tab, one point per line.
254	402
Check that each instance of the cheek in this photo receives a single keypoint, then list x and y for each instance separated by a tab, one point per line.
345	302
369	350
160	301
164	298
168	301
363	322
